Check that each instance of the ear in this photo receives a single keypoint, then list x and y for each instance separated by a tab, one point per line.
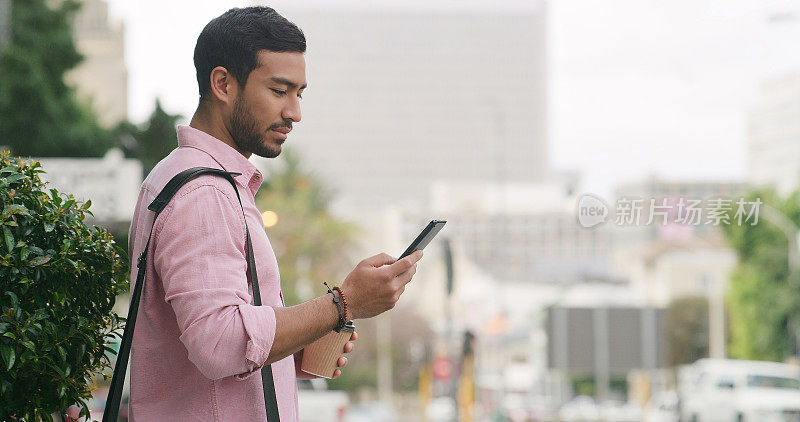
223	85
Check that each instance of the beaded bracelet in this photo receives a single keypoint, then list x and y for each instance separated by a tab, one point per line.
342	320
344	301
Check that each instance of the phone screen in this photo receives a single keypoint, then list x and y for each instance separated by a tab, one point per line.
425	237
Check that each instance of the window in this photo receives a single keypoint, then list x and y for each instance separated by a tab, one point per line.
764	381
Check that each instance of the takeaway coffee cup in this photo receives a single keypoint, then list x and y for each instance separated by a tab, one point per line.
319	357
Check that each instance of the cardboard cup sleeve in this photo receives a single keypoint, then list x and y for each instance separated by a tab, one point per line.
320	357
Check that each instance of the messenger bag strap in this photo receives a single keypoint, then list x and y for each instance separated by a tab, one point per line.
111	411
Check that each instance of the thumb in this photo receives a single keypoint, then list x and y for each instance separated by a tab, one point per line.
379	260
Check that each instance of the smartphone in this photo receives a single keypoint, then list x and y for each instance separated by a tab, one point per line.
424	238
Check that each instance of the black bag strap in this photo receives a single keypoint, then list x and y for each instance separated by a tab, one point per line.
115	391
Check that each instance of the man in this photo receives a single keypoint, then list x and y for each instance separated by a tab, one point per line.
200	342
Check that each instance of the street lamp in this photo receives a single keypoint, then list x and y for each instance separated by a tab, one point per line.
270	218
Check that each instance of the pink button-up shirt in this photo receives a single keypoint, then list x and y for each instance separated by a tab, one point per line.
199	341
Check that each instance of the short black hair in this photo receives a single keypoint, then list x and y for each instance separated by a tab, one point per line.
234	39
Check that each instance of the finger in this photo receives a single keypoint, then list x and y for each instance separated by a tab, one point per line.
380	260
342	362
336	374
348	347
354	336
406	277
404	264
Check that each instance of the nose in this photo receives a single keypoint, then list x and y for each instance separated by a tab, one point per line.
292	110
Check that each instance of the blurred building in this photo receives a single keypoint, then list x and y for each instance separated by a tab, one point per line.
101	79
655	190
664	270
398	99
774	134
517	232
673	260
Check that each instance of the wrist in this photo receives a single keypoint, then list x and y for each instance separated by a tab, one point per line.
339	306
343	298
348	302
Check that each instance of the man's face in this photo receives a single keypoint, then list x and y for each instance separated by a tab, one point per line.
264	112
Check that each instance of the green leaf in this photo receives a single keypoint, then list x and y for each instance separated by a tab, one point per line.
48	226
86	205
28	345
8	356
27	356
19	209
58	369
35	262
15	177
14	299
9	238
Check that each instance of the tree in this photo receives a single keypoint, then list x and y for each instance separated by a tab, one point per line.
309	242
764	297
58	281
687	330
39	113
154	142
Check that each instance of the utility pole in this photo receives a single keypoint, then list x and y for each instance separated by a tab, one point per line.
448	262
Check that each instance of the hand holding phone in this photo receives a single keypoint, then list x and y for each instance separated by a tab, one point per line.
425	237
375	285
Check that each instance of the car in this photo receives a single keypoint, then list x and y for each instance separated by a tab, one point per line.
318	404
441	409
662	407
371	412
620	411
730	390
580	408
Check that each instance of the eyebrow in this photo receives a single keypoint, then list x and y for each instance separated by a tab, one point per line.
287	82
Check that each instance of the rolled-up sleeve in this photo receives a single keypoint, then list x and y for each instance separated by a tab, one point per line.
199	253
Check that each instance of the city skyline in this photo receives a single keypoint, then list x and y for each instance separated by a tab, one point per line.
635	88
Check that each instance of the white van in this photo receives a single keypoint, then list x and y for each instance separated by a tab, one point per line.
717	390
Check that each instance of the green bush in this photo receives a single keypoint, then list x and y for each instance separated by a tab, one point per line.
58	283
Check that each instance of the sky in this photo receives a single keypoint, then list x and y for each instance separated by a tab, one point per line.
635	88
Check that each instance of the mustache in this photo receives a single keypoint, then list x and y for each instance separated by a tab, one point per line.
287	125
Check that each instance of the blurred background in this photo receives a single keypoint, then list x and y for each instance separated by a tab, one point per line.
563	141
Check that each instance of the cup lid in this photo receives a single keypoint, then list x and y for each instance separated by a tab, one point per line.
349	326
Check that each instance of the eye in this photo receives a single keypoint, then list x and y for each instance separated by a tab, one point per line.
300	96
279	92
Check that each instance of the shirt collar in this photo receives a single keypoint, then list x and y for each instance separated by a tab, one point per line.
225	155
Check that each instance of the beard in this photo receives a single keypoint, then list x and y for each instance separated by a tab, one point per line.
246	134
